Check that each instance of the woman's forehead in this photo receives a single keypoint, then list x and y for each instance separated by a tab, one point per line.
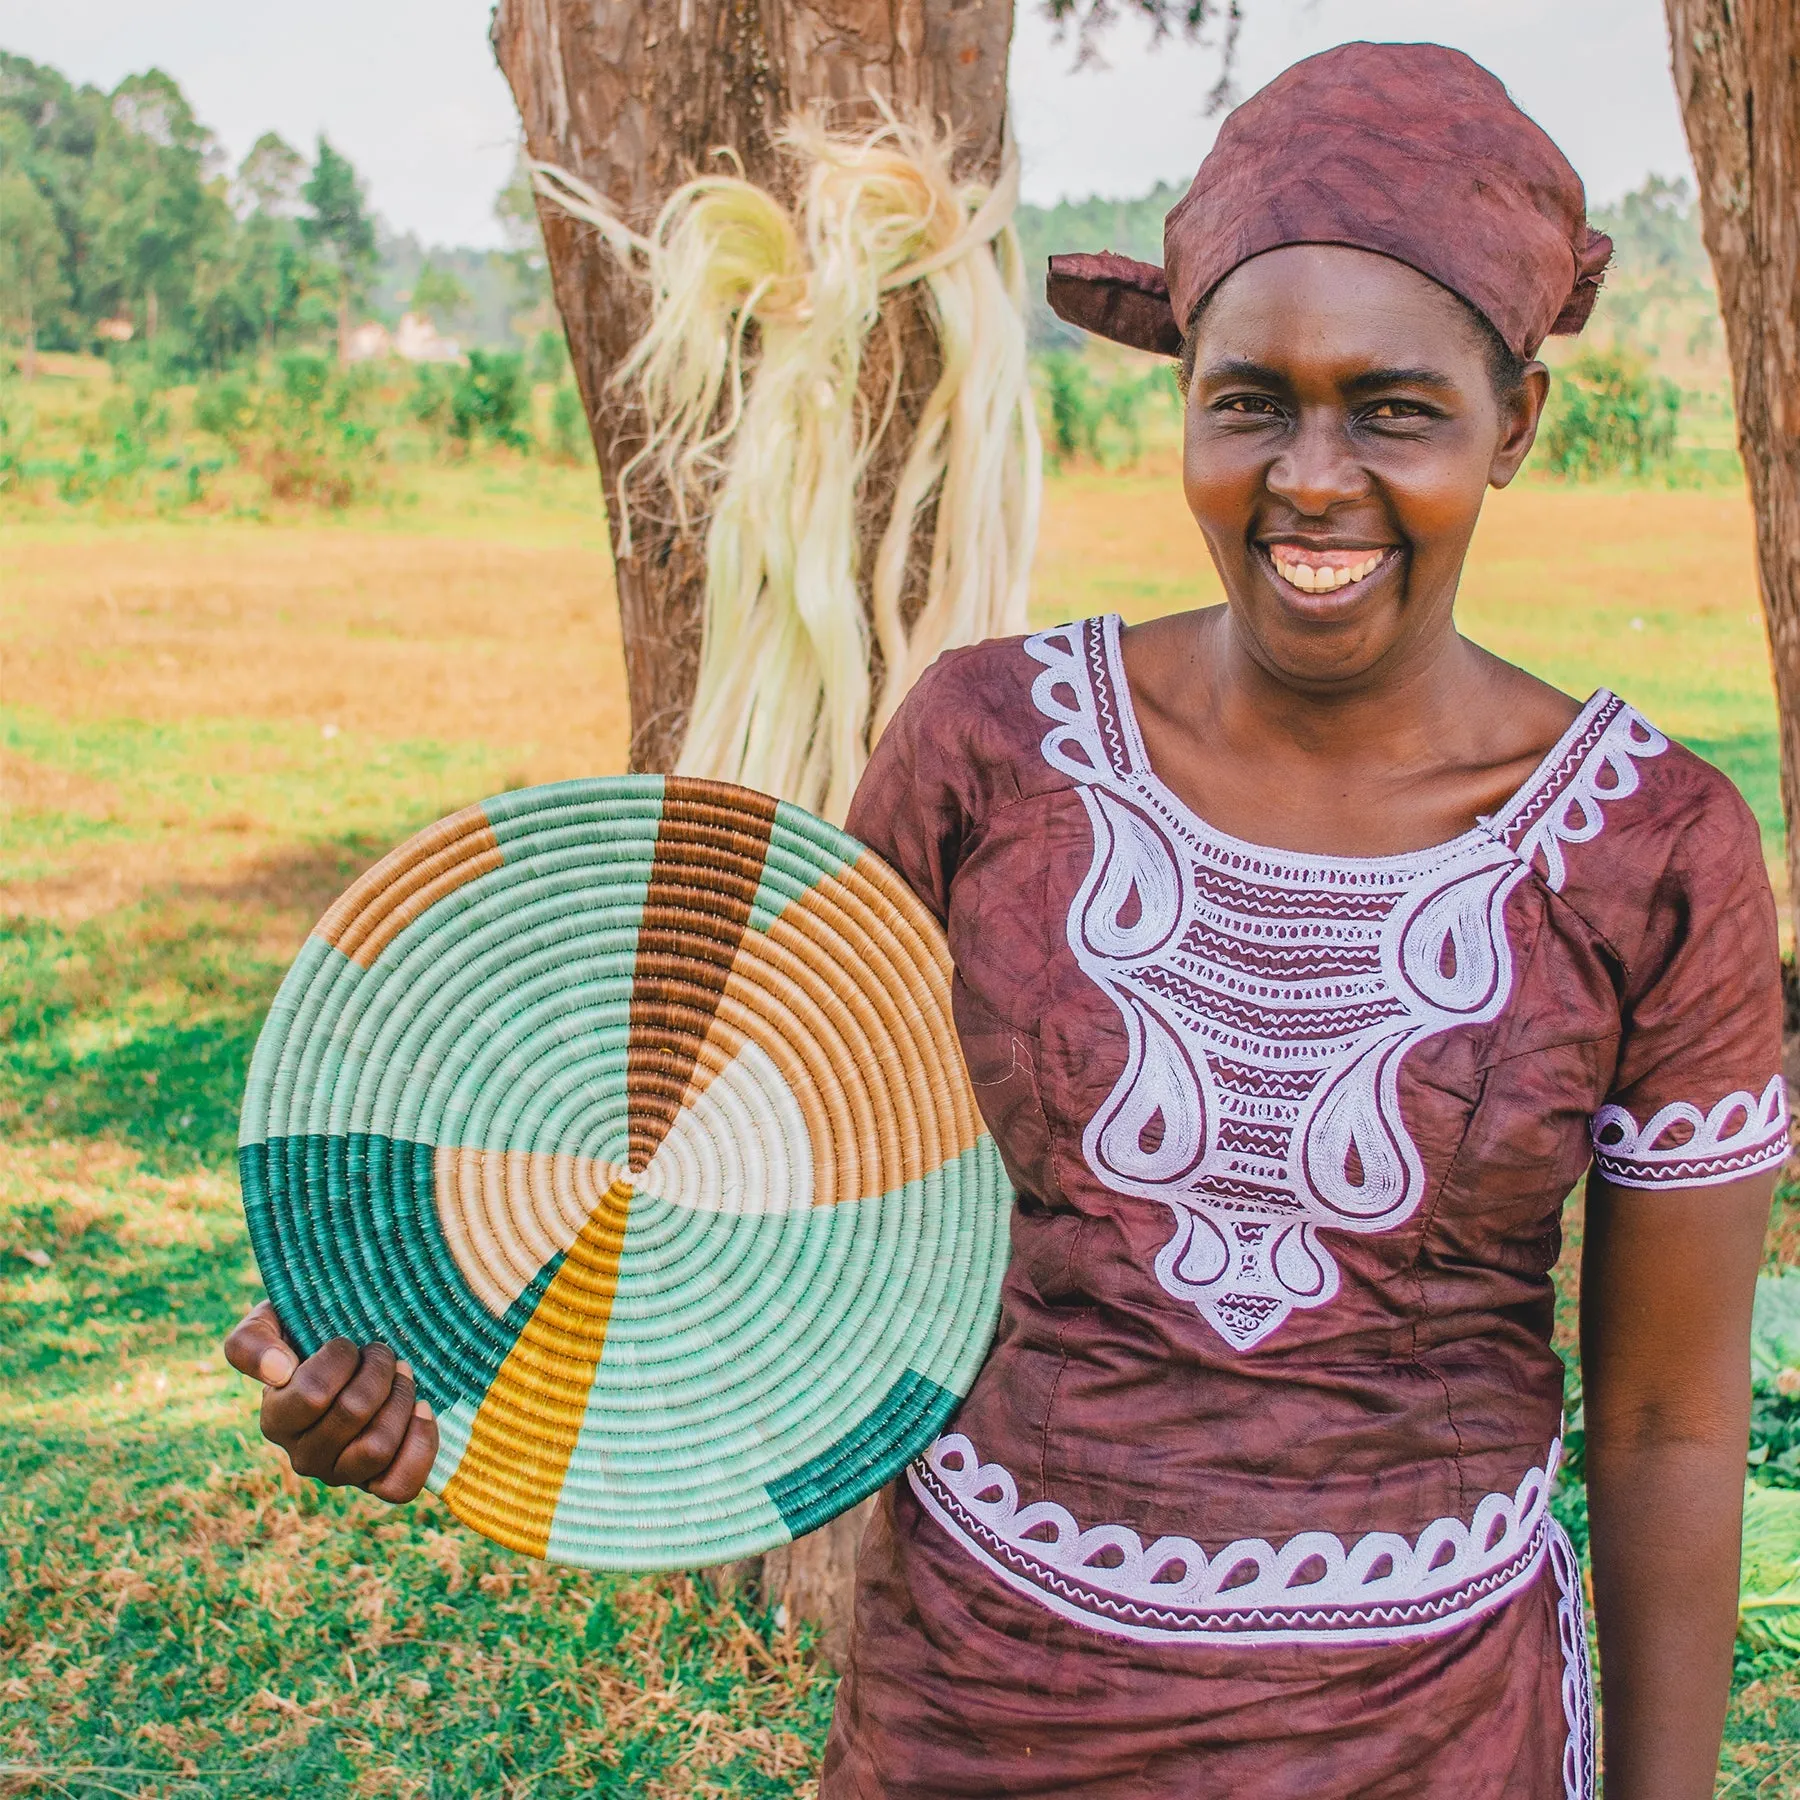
1314	303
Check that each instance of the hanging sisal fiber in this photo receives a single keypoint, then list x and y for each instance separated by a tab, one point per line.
750	374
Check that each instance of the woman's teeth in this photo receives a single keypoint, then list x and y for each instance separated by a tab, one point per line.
1323	571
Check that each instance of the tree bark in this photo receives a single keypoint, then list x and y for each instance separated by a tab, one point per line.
634	98
1737	75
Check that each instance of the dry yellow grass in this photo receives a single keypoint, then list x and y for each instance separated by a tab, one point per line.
392	635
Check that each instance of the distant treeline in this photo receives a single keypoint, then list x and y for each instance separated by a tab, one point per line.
122	224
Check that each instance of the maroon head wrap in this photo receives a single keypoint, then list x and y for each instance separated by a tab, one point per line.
1411	150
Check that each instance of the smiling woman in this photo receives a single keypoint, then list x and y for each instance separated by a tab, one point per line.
1306	955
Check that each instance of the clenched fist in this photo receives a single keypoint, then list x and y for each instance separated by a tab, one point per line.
348	1417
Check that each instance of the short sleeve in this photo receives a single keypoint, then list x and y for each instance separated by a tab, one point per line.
907	808
1698	1097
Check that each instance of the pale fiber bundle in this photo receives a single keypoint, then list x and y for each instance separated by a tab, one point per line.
749	374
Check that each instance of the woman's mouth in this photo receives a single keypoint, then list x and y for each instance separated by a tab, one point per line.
1325	571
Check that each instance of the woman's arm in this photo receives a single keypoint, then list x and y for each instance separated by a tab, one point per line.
1667	1282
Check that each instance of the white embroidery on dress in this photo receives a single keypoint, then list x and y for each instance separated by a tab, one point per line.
1569	811
1378	1590
1577	1671
1740	1136
1269	997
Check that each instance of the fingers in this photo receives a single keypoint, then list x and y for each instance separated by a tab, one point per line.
257	1348
368	1454
289	1412
341	1401
405	1475
347	1417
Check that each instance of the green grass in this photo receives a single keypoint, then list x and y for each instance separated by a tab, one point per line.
188	1621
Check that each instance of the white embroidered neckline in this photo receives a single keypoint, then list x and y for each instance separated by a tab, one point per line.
1380	1589
1313	864
1269	996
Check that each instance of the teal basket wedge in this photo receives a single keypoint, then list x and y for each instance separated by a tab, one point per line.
630	1112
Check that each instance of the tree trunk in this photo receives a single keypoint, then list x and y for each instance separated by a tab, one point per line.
1737	75
634	99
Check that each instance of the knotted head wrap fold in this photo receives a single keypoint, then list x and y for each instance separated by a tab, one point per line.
1411	150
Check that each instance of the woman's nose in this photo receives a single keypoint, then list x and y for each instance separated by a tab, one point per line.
1318	468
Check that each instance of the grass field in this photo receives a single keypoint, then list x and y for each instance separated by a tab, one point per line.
208	727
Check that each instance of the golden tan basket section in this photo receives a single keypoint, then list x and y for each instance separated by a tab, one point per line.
384	900
858	1023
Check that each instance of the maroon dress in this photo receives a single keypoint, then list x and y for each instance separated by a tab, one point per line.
1251	1497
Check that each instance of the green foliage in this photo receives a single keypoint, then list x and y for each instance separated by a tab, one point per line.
1775	1381
491	399
311	435
270	176
1656	237
1609	415
1098	418
140	226
550	358
337	219
1769	1585
32	282
438	293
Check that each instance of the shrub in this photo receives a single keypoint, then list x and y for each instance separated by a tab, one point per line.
308	435
429	401
1069	389
550	358
1609	415
491	398
1103	421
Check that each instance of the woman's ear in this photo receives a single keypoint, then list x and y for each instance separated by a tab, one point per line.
1520	412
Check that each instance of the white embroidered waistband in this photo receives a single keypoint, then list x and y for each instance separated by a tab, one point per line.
1313	1588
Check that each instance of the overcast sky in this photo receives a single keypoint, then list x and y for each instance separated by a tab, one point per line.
408	88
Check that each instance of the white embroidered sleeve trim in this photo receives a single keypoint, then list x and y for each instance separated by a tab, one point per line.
1314	1588
1740	1136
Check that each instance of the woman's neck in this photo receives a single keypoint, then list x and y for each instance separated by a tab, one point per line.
1409	754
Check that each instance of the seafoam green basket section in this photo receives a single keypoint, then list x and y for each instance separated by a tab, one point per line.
697	1434
268	1089
803	851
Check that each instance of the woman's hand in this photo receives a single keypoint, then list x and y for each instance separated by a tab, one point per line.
348	1417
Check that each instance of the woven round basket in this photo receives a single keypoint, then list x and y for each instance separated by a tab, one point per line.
631	1114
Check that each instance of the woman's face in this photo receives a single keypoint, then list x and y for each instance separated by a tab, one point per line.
1342	429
